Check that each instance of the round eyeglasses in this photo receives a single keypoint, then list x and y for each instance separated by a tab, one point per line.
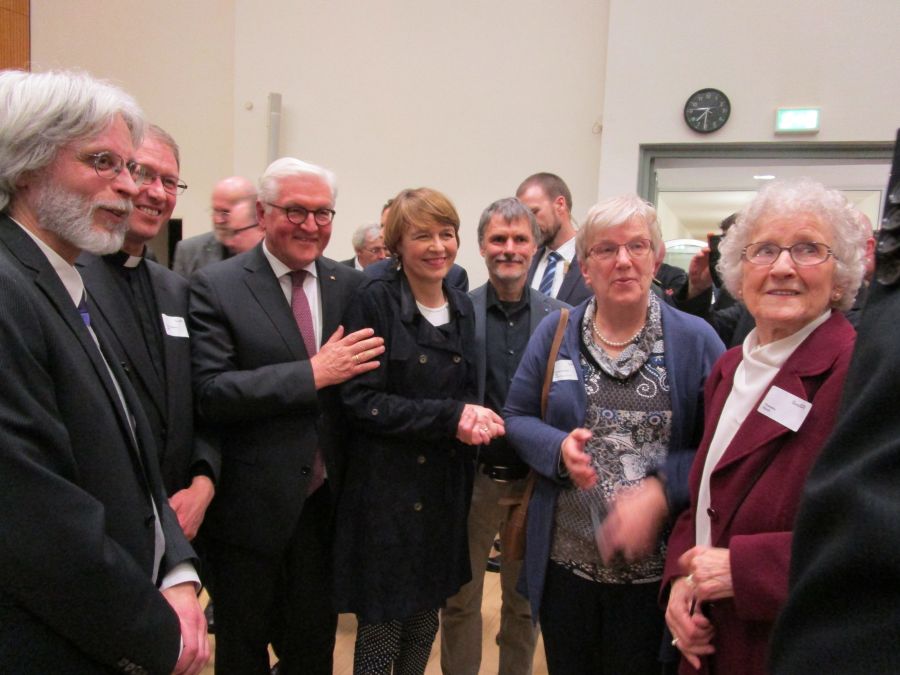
803	253
170	184
298	214
108	165
607	250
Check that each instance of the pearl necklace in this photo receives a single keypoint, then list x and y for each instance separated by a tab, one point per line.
612	343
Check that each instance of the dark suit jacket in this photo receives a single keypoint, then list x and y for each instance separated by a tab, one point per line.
540	306
457	277
76	520
843	611
350	263
573	290
253	381
172	398
755	490
197	252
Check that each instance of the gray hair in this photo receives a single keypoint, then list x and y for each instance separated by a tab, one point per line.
511	209
362	232
269	183
166	139
802	196
42	112
613	212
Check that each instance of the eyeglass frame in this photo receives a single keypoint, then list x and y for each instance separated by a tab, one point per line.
640	256
230	233
287	214
378	249
149	176
135	170
781	249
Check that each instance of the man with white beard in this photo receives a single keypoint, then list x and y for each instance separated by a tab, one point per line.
95	573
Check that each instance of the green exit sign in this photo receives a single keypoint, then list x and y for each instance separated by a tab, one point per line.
796	120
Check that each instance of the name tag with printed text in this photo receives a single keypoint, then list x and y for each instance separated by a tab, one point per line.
175	326
785	408
564	370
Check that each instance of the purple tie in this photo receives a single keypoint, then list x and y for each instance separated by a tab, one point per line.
303	317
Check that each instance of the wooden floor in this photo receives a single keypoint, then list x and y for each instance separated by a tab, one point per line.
346	636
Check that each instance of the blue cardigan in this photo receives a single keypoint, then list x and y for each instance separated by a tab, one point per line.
691	348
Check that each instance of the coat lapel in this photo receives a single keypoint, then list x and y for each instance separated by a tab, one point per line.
330	291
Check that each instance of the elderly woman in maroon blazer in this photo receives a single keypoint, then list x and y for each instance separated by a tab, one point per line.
794	255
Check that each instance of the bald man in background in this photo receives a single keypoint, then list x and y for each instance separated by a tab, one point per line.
196	252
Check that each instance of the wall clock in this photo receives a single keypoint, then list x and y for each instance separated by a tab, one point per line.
707	110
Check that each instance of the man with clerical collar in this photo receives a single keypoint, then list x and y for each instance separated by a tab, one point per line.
506	313
95	573
143	307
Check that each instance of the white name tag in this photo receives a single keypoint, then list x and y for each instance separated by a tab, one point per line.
564	370
785	408
175	326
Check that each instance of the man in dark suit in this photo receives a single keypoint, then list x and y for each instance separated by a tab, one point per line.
197	252
267	349
142	306
506	313
843	609
555	270
95	574
368	242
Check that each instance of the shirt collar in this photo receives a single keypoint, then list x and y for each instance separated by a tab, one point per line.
279	268
124	259
567	251
67	273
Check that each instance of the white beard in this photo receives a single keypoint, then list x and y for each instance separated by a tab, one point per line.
70	216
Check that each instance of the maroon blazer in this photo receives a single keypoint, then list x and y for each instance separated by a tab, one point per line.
756	523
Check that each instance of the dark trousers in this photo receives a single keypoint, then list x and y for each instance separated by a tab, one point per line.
283	600
599	629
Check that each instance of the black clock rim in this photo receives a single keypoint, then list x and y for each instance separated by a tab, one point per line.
701	91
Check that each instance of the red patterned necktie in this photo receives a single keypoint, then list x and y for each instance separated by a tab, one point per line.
303	317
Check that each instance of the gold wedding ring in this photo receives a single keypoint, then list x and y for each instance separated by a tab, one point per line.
674	642
356	358
690	580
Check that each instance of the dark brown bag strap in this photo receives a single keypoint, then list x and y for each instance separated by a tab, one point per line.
551	358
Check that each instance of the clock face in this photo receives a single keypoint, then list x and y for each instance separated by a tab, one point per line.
707	110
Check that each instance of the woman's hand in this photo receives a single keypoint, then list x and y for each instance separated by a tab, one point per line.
478	425
699	277
691	631
709	570
577	461
634	521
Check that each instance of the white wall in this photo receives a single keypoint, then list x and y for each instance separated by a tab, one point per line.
467	97
175	57
839	55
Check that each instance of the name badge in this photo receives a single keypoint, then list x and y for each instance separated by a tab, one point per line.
564	370
175	326
785	408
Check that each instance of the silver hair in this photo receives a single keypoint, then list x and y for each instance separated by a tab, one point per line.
42	112
269	183
511	209
362	232
164	137
617	211
802	196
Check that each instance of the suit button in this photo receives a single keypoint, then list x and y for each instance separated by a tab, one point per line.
305	471
374	411
417	506
423	358
457	358
421	459
712	513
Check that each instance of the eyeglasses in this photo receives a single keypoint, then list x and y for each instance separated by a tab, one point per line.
607	250
377	250
803	253
229	233
169	183
298	214
109	165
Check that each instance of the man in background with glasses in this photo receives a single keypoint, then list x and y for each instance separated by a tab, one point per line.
95	573
368	242
205	249
268	349
143	308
